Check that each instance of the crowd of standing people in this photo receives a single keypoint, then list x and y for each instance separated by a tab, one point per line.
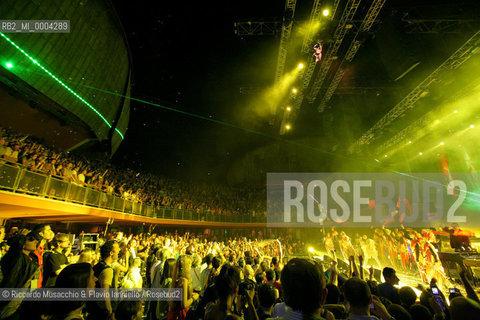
231	278
20	149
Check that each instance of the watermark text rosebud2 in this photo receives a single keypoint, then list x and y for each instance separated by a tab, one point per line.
371	199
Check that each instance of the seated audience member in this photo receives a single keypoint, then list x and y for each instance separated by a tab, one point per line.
266	298
407	297
359	301
462	308
387	288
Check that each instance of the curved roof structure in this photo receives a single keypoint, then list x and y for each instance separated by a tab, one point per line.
86	71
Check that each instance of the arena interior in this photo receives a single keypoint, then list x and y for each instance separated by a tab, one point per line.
240	160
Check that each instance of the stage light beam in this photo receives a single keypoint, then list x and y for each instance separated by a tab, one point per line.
300	66
326	12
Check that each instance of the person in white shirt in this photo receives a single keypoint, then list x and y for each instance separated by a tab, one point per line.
133	278
157	267
196	272
12	154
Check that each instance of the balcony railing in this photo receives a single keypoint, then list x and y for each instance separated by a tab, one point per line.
18	179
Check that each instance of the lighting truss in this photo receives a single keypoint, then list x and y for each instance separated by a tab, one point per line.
257	28
285	37
307	72
467	50
367	23
338	37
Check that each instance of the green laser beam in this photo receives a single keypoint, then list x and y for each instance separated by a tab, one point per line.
228	124
60	82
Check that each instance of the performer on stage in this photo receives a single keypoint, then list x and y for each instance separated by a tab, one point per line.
329	245
346	247
317	54
370	251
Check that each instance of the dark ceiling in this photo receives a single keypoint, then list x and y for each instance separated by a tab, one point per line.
187	57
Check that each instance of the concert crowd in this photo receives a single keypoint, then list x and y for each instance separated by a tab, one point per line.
20	149
230	278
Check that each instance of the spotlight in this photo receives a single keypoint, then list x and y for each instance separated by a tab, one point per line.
420	153
287	127
311	249
9	65
472	126
300	66
289	108
294	90
385	156
441	143
455	111
409	141
326	12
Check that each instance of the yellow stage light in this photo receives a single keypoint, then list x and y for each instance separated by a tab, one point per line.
311	249
289	108
300	65
472	126
420	153
441	143
409	141
326	12
287	127
385	156
294	90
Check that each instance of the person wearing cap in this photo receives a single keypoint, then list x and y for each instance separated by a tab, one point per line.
18	269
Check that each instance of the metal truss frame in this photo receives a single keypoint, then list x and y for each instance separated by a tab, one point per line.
366	25
467	50
338	37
